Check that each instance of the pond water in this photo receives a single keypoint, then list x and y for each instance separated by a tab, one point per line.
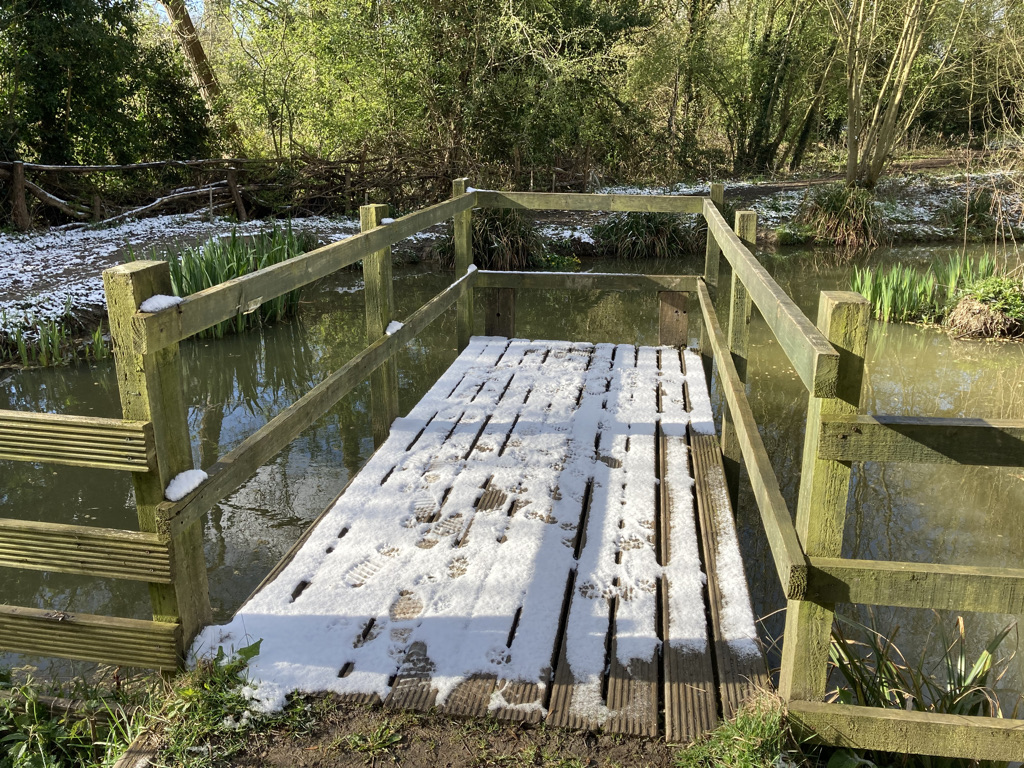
926	513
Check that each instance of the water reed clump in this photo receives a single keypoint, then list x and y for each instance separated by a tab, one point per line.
44	342
848	217
503	239
221	259
902	293
875	673
641	235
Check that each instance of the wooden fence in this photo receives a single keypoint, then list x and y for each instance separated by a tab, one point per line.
153	444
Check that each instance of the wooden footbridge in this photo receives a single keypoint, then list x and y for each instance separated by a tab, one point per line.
548	533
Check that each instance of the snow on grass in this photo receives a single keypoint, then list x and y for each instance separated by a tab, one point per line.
45	274
184	483
556	232
411	555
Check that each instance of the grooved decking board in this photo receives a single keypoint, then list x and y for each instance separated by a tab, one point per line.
501	553
741	667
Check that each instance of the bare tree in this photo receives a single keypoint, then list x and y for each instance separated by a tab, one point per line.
185	31
883	41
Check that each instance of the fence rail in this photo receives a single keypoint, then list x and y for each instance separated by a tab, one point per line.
827	356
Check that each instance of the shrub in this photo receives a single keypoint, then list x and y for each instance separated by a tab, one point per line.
503	239
975	213
845	216
634	235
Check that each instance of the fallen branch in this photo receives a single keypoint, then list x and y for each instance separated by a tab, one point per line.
217	188
56	202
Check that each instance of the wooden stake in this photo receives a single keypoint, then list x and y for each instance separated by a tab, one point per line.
500	314
22	222
463	223
379	297
236	196
824	487
740	307
672	325
151	390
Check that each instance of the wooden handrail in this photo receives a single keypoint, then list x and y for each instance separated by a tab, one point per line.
815	360
788	555
204	309
570	201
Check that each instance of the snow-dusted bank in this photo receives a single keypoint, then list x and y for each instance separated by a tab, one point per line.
45	274
529	466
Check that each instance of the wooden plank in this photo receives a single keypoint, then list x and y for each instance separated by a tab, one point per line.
690	700
500	313
102	552
739	675
814	359
586	281
412	688
978	442
787	553
632	695
843	318
378	295
150	387
78	441
569	201
256	450
672	322
916	585
462	225
918	733
104	639
222	302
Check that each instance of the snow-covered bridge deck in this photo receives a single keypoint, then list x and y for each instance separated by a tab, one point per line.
526	544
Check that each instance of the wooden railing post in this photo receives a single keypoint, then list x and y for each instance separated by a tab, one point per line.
740	307
151	390
824	487
712	257
378	294
463	224
22	222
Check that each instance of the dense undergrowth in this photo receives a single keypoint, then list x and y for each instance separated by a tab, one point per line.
505	239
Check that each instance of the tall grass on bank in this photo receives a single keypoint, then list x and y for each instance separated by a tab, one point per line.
848	217
877	674
638	235
903	294
46	342
503	239
221	259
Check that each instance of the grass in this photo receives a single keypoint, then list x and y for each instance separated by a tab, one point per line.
757	737
903	293
847	217
877	674
634	236
34	341
34	735
222	259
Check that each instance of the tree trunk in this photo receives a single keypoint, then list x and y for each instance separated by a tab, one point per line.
22	222
193	50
